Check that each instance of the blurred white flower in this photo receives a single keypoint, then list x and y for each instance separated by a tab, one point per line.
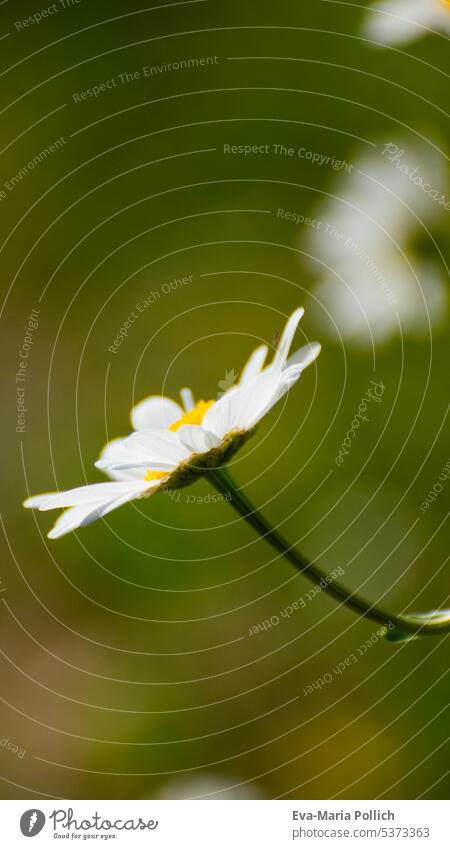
400	21
174	445
372	277
209	785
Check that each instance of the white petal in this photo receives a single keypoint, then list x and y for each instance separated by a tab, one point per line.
70	519
187	398
245	406
217	418
134	469
129	469
114	453
155	412
92	494
164	445
197	439
78	517
285	343
254	364
288	378
241	408
161	450
433	616
306	355
259	397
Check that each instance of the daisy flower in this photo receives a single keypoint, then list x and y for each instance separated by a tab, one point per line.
172	445
400	21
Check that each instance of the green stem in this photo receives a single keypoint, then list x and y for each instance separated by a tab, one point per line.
411	624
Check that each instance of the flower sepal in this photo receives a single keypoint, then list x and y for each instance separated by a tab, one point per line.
200	464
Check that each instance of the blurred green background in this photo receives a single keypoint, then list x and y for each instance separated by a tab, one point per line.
127	667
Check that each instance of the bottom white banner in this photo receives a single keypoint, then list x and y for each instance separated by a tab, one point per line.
207	824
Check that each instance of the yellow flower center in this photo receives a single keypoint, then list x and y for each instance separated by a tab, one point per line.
192	417
154	476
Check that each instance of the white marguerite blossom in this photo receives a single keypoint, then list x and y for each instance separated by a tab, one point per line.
400	21
367	245
172	445
209	785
